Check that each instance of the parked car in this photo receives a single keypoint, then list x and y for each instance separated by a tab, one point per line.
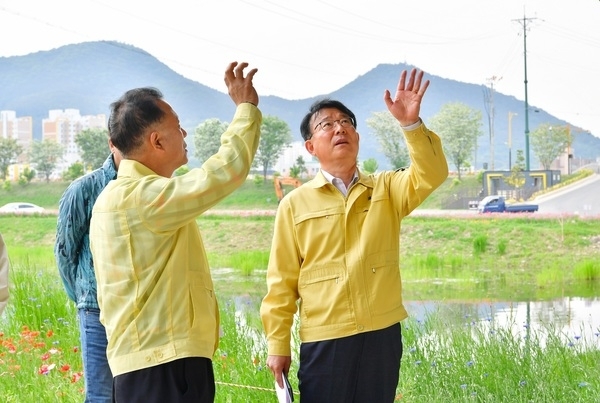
21	208
497	204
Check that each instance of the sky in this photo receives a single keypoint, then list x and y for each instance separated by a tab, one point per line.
306	48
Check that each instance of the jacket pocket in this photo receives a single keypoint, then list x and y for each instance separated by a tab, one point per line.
202	304
324	297
384	286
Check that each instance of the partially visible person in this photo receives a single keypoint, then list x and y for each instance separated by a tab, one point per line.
76	268
155	289
335	255
4	292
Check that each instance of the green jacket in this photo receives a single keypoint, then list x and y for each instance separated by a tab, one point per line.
337	258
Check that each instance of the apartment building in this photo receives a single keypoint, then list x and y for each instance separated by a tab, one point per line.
21	130
63	126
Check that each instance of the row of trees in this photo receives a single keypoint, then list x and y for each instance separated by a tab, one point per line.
459	127
93	144
46	155
457	124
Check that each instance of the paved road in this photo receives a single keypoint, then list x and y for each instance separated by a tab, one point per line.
581	198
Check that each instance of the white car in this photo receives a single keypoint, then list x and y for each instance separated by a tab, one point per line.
22	208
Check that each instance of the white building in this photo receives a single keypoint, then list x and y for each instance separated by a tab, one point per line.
63	125
289	157
21	130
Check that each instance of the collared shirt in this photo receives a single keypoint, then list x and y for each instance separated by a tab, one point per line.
72	246
155	289
338	257
338	183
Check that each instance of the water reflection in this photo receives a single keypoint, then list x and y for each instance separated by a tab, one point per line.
574	319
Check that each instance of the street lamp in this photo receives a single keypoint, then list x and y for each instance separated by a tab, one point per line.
510	116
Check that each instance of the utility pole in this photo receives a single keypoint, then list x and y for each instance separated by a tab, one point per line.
490	111
524	22
510	116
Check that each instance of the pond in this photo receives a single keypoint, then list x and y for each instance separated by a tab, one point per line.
575	318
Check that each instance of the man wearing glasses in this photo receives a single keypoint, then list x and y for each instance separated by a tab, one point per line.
335	255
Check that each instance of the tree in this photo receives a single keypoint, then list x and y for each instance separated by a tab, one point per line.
388	132
459	126
275	135
93	144
298	168
26	176
548	142
45	155
369	166
516	178
301	164
207	138
73	172
9	151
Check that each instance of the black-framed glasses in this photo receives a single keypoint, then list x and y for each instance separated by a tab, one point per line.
328	125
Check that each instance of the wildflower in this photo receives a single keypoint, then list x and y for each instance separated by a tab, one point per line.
463	386
470	363
75	377
522	383
65	368
45	369
45	356
418	362
49	333
75	349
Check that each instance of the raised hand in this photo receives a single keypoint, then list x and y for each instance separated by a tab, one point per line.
406	105
240	88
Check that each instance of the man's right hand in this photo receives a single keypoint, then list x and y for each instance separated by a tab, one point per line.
240	88
279	364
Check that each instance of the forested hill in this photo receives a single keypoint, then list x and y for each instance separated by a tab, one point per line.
89	76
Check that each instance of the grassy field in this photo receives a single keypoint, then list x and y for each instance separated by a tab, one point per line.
252	195
507	257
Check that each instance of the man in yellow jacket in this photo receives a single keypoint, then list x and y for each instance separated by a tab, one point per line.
335	255
155	290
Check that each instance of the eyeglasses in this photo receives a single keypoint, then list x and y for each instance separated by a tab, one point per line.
327	125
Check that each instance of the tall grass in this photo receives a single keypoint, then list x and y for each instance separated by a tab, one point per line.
481	361
445	359
40	359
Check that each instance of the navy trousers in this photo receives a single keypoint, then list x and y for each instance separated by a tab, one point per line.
185	380
364	368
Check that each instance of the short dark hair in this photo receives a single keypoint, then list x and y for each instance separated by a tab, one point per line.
131	114
305	128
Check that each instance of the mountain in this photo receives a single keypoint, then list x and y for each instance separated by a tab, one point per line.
89	76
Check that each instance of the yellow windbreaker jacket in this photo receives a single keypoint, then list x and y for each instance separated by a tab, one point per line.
155	289
337	258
